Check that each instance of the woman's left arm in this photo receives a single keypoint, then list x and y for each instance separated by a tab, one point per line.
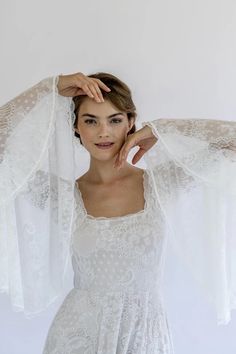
219	133
216	134
192	164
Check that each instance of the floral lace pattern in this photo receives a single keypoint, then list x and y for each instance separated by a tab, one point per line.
116	304
117	322
14	111
37	196
193	165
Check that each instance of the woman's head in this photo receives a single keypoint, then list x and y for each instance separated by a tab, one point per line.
93	123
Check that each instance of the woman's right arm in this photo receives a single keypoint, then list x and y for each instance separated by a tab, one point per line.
12	113
37	177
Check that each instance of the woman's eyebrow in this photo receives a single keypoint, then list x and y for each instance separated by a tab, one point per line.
93	116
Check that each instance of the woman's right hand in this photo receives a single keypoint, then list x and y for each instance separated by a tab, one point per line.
80	84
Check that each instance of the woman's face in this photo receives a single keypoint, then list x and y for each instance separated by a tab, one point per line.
99	123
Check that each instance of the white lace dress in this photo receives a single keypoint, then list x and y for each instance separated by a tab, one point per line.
116	304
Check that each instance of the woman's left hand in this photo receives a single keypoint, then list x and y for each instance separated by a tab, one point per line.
143	138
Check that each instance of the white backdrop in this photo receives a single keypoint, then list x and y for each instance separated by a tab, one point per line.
178	57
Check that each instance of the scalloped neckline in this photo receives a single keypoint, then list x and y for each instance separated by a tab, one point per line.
91	217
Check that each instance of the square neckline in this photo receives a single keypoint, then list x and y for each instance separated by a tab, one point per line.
118	217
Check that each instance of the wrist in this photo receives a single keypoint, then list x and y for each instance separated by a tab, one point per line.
149	130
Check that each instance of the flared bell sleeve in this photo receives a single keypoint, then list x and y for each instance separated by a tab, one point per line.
37	177
193	166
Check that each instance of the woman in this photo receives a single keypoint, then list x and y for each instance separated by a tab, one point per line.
116	219
110	191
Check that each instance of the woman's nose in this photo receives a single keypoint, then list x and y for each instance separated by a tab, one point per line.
103	130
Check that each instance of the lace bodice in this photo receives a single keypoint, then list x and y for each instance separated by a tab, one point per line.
119	253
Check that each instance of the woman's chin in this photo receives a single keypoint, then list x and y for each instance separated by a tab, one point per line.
104	155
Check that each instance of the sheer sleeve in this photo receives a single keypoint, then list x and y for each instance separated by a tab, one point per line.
193	165
37	176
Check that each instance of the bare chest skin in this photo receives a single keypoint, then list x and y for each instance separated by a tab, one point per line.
119	199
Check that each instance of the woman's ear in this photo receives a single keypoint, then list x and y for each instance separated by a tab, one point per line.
131	123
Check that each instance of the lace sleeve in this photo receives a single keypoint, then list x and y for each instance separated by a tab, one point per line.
37	176
14	111
193	166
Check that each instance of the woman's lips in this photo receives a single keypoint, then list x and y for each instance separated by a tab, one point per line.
104	147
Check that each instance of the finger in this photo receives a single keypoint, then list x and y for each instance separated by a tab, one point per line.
102	85
82	83
86	89
116	161
126	148
121	160
95	93
120	157
138	156
81	92
98	91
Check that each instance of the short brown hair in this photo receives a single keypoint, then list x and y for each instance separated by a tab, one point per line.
120	96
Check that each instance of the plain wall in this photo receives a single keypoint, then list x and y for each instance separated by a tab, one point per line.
178	57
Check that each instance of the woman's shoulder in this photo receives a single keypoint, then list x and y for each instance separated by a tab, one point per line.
133	171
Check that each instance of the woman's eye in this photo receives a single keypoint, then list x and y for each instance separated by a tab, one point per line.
116	120
89	120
